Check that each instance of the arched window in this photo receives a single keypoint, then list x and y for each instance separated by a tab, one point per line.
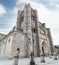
22	18
44	47
22	30
33	17
34	30
9	40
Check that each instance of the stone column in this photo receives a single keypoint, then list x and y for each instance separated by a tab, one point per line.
26	29
18	23
37	34
50	41
30	26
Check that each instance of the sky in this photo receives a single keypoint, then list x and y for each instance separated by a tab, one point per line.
47	11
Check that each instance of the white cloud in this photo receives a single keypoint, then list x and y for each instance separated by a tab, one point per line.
5	31
23	1
53	23
42	11
15	10
2	10
51	18
8	22
52	1
7	26
57	5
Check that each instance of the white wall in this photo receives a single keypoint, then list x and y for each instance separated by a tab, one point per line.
8	46
20	43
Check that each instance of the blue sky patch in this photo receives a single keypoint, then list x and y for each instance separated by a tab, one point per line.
8	3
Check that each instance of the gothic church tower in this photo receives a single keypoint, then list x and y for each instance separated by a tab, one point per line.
36	32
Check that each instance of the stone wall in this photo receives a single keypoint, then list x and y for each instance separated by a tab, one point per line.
19	42
10	43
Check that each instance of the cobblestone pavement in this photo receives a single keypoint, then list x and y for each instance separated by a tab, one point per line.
25	61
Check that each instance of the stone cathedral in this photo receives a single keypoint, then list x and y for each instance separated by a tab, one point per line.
27	32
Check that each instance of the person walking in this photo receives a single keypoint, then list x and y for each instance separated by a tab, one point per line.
16	57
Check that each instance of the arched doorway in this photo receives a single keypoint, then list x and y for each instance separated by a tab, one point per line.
45	47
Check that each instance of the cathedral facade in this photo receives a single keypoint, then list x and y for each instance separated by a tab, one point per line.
28	34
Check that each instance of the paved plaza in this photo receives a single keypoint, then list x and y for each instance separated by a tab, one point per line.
25	61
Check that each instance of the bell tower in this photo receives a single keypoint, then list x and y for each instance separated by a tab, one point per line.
27	22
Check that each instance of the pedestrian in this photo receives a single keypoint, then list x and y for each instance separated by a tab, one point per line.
42	56
32	61
58	53
16	57
55	54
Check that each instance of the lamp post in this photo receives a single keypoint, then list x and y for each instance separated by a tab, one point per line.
42	56
32	61
33	46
